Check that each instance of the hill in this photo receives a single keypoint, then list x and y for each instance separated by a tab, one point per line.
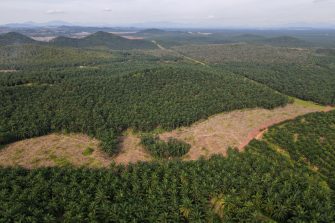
104	39
247	38
285	41
152	31
14	38
32	55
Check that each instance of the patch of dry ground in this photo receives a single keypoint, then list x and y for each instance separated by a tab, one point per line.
54	150
71	149
131	150
235	129
7	71
133	37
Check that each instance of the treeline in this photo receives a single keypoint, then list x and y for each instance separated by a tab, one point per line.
258	185
104	106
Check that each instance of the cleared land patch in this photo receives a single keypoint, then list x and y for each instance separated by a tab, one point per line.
7	71
131	150
54	150
212	136
235	129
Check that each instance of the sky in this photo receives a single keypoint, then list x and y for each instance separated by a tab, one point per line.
200	13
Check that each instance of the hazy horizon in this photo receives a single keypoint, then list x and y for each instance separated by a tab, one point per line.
211	14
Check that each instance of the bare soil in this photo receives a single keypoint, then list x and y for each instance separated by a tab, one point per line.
54	150
235	129
131	150
133	37
7	71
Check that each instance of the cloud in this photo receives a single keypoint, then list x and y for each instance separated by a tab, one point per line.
215	13
320	1
107	9
55	12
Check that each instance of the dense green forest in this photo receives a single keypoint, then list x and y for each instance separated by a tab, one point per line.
13	38
309	139
261	184
46	57
304	73
104	106
308	82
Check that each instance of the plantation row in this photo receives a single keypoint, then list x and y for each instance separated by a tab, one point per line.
258	185
304	73
308	82
35	57
25	56
310	139
104	106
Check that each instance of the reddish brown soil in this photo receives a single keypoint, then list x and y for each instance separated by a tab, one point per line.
234	129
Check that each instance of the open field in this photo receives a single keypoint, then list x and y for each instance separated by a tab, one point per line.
54	150
70	149
131	150
236	129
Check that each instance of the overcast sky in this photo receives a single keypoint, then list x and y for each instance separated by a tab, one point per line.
214	13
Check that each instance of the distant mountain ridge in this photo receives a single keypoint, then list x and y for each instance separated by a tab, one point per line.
14	38
285	41
104	39
98	39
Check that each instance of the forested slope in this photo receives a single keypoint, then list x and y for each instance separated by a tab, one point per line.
104	106
45	57
103	39
13	38
303	73
260	184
